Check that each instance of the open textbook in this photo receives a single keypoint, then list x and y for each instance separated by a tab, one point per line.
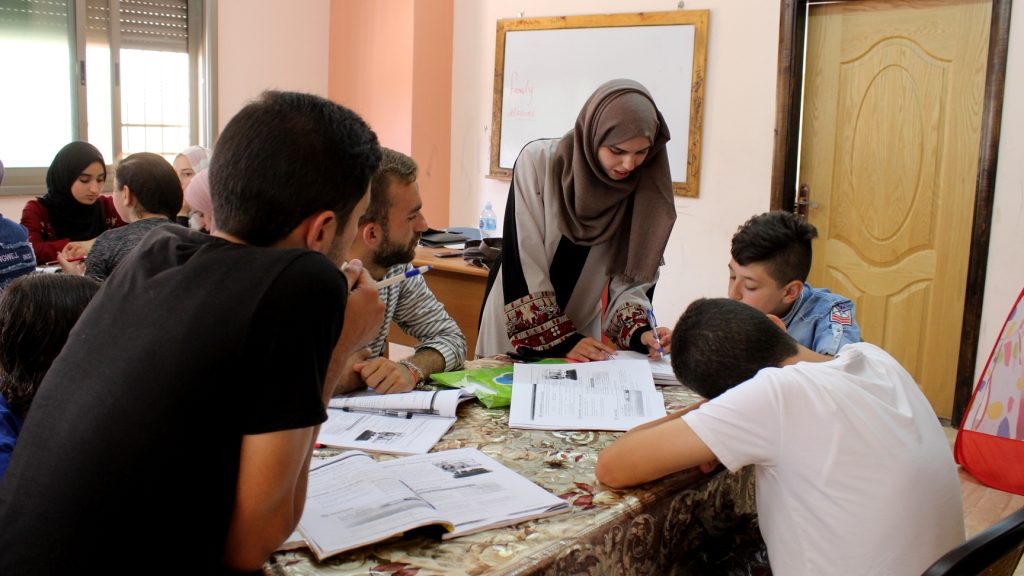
409	423
353	500
609	395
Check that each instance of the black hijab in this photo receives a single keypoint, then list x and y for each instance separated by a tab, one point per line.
70	218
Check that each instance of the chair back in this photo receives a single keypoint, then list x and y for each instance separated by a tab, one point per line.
995	551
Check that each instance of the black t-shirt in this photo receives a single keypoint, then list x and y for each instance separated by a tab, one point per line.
137	427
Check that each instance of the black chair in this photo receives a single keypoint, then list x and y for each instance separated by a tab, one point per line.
993	552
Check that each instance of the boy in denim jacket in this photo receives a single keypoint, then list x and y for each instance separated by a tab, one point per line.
771	256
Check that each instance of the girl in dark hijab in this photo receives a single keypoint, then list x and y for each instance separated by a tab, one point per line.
74	210
588	211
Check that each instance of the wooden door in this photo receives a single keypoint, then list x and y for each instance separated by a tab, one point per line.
889	151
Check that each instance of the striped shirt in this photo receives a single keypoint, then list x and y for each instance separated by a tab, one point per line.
416	310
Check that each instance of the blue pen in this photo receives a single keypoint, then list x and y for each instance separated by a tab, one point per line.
402	277
654	328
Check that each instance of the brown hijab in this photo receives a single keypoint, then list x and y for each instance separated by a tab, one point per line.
636	213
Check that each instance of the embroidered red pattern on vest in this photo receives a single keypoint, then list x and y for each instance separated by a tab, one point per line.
629	318
536	322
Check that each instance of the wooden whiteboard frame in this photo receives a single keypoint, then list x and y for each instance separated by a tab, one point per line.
696	18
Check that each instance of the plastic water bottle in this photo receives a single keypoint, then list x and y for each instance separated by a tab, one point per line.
488	221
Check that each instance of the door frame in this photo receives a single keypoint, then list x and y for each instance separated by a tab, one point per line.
785	160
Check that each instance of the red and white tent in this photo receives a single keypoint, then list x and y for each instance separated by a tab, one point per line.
990	443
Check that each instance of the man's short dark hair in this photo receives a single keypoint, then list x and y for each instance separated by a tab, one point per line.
780	240
719	343
394	167
153	182
285	157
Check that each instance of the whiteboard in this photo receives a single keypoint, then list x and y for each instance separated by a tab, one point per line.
547	71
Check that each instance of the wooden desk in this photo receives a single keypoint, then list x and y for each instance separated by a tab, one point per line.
650	529
459	286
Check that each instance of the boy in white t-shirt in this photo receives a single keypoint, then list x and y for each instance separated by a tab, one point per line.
854	473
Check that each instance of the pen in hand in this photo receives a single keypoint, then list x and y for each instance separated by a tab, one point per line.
654	330
402	277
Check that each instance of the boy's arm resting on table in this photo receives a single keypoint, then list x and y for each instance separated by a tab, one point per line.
651	451
271	493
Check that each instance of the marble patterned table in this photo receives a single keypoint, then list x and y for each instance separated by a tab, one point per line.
645	530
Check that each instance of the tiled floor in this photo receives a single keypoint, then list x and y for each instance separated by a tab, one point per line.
984	506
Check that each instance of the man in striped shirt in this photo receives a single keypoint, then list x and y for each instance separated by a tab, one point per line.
386	244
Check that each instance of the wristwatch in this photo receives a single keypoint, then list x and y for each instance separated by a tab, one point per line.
417	374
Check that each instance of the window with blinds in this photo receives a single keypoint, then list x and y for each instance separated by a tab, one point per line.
122	74
157	25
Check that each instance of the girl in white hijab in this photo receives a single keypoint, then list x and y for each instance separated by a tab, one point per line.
187	164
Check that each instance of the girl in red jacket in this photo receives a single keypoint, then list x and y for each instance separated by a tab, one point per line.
74	210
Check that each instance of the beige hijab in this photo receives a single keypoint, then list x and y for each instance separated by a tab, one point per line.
636	213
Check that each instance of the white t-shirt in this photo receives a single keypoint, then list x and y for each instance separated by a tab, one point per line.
854	473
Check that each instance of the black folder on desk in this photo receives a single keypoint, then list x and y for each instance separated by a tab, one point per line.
436	238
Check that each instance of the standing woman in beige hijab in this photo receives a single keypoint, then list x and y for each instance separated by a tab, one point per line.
590	210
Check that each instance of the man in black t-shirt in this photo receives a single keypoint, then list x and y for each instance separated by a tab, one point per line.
191	390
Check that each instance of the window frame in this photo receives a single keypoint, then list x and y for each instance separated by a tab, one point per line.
31	181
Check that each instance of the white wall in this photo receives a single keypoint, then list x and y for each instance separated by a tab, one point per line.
1005	277
739	117
269	44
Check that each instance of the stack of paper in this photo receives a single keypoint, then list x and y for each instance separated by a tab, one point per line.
610	395
661	369
409	423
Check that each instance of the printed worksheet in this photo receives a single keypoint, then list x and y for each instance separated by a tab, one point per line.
610	395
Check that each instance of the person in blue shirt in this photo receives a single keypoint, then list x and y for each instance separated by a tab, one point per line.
16	255
771	257
37	313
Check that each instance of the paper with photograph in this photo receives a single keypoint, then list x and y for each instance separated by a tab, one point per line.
353	500
416	434
409	423
608	395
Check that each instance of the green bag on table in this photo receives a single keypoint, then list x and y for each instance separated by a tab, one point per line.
492	386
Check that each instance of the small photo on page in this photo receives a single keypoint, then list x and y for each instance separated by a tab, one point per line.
461	468
379	437
559	374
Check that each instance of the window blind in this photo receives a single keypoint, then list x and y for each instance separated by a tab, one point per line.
34	16
145	24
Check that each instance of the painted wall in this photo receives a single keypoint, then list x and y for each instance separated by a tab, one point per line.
1005	277
391	61
269	44
432	106
370	68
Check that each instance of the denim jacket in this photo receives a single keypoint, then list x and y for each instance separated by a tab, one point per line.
822	321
